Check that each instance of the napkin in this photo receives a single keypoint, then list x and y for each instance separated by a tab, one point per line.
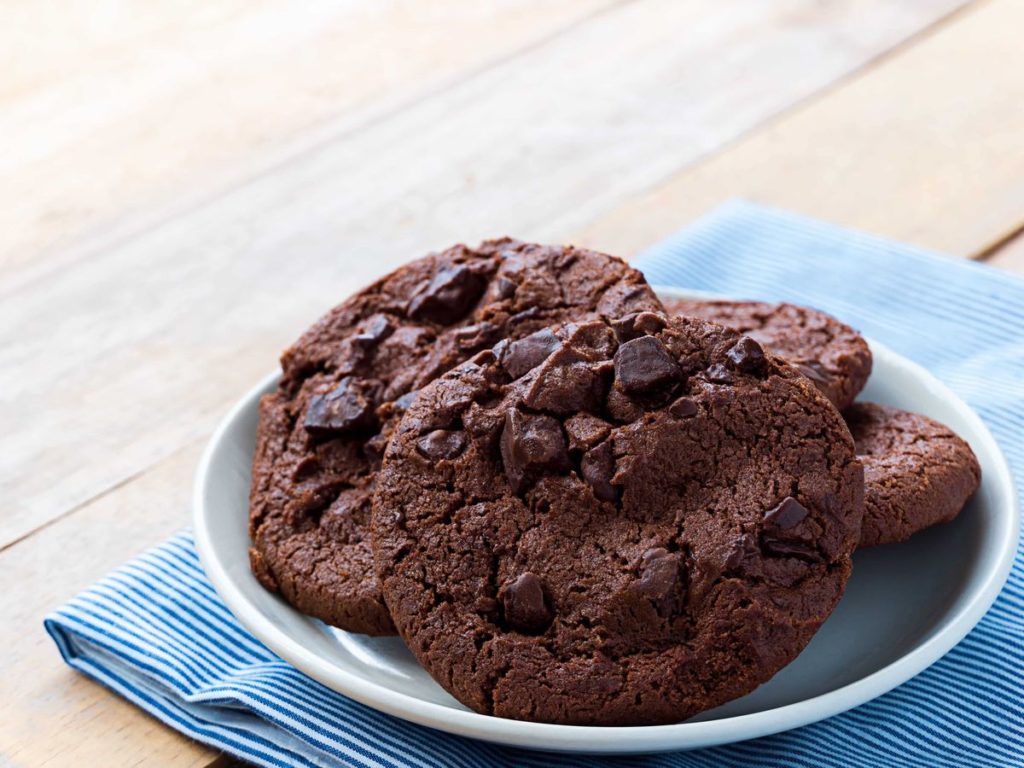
155	631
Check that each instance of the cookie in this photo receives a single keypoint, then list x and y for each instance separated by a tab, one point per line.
348	379
828	352
917	472
615	524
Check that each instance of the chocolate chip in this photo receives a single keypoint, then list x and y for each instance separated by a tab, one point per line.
659	573
598	468
747	355
787	514
782	548
521	356
718	374
441	444
374	332
347	408
523	604
531	443
644	366
448	297
683	408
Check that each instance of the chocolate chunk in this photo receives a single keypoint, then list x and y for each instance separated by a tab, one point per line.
448	297
683	408
346	408
598	468
659	573
637	324
526	314
789	513
473	337
815	372
531	443
644	366
747	355
504	289
441	444
376	330
520	357
719	374
404	402
585	431
782	548
523	604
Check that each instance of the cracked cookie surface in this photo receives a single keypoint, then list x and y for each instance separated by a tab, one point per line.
830	353
917	472
347	380
615	523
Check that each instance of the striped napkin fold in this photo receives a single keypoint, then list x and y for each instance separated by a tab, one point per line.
156	632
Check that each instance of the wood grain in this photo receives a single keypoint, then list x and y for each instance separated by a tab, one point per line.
925	147
111	109
50	715
127	346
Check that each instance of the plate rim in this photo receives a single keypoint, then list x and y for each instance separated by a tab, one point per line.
614	739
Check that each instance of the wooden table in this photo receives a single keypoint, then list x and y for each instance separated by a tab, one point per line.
184	189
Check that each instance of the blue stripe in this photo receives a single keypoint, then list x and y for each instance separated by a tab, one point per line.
156	632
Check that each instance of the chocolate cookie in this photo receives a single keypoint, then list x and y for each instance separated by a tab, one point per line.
346	382
615	524
917	472
828	352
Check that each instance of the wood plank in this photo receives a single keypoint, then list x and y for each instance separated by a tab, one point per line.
50	715
120	351
110	109
925	147
1010	255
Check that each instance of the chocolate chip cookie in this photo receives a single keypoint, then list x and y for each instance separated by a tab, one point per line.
615	523
917	472
828	352
348	379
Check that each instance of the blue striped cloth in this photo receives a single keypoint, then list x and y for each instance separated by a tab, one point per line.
155	631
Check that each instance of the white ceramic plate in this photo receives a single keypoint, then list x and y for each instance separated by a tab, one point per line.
904	607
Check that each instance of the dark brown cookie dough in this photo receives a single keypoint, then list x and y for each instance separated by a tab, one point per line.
831	354
652	520
917	472
348	379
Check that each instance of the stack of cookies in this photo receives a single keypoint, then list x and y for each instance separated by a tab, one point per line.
577	504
